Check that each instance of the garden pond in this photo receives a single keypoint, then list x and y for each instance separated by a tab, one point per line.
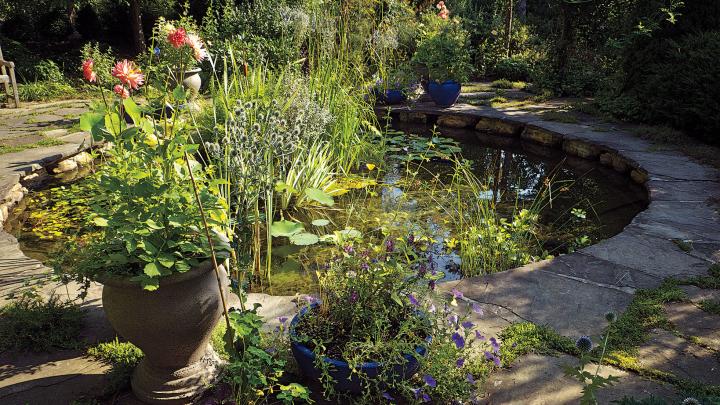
582	203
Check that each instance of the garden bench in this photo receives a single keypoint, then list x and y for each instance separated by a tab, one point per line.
7	78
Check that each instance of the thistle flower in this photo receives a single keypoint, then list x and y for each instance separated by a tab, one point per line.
129	74
88	72
177	37
584	344
690	401
611	317
121	91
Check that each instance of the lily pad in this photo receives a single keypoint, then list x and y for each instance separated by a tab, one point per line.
304	239
320	196
285	228
320	222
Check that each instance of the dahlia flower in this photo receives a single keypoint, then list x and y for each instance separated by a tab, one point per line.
88	72
196	44
129	74
177	37
121	91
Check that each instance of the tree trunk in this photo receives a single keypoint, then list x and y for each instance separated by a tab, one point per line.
138	36
508	27
72	20
563	46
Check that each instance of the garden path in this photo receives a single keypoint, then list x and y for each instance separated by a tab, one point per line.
678	235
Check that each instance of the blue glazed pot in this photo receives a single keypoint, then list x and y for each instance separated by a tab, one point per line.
395	96
444	94
339	370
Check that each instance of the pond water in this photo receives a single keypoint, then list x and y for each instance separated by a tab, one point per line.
591	203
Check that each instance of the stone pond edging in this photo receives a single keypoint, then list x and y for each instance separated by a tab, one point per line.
572	292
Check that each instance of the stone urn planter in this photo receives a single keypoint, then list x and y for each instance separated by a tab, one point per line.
172	326
192	82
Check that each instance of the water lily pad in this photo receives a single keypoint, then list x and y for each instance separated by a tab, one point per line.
320	222
320	196
285	228
304	239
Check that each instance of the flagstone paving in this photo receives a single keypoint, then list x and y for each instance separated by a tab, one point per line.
678	236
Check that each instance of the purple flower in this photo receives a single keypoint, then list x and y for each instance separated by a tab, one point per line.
283	319
459	340
349	249
310	299
425	397
422	270
413	300
417	392
453	319
491	357
353	297
470	379
411	238
476	308
390	245
364	266
431	285
388	396
429	380
457	293
460	362
468	325
479	336
432	309
495	345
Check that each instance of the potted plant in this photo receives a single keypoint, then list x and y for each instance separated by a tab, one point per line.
178	50
162	291
374	323
443	53
396	88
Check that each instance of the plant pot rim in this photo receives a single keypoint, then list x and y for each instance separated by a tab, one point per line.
339	363
444	82
175	278
194	70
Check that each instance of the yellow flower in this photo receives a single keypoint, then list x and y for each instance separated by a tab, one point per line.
370	166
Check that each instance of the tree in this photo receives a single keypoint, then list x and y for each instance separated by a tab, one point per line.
136	28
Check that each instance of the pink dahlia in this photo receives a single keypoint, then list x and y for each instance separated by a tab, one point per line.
196	44
88	72
121	91
177	37
129	74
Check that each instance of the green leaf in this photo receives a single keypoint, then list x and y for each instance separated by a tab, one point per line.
118	258
112	123
132	110
320	222
182	266
166	259
291	265
91	120
100	221
152	224
285	228
320	196
179	93
304	239
152	270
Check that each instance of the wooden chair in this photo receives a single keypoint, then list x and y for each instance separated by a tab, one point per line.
7	78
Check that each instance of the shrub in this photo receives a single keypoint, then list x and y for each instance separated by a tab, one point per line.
445	54
502	84
515	68
122	357
672	82
45	91
38	325
47	70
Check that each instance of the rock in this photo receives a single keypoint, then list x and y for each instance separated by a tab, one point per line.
65	166
541	136
456	121
498	127
616	161
581	149
413	117
55	133
639	176
83	158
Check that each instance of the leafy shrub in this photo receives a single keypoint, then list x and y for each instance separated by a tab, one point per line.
502	84
102	59
672	82
445	53
37	325
47	70
45	91
515	68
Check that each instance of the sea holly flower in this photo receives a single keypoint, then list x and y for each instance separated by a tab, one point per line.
177	37
121	91
88	72
129	74
459	340
429	380
584	344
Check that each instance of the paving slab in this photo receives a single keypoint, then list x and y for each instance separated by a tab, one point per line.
691	321
696	221
539	380
670	353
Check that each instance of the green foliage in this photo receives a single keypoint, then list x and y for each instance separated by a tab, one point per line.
47	70
39	144
502	84
444	53
40	325
146	204
46	91
523	338
122	357
257	361
406	147
515	68
103	61
710	306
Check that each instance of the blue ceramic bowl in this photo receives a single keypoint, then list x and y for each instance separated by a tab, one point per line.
345	381
444	94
